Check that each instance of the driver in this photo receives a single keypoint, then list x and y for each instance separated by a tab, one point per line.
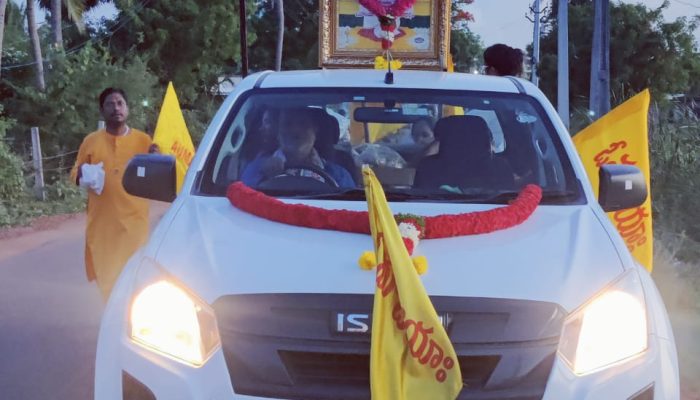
297	136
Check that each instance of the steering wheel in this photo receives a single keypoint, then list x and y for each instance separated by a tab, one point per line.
295	171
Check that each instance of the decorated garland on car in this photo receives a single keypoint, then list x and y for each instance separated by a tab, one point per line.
412	227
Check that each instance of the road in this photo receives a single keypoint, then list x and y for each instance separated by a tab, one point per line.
50	314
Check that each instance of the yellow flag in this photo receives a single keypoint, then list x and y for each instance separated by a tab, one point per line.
411	356
620	137
172	135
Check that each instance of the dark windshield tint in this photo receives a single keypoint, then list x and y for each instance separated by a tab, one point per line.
423	145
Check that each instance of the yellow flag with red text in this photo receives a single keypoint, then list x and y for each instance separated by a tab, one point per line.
172	136
620	137
411	356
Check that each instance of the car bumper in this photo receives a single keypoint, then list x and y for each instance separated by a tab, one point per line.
655	370
169	379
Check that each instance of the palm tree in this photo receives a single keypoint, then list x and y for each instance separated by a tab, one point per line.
280	34
36	45
75	9
3	4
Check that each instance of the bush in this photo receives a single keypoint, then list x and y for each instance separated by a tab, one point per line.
73	84
675	162
11	177
62	197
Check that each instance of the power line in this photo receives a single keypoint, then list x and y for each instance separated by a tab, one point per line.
118	26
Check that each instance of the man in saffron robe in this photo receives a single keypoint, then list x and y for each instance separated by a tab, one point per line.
117	223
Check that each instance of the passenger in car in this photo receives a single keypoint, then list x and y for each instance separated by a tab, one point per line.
503	60
297	136
422	132
423	135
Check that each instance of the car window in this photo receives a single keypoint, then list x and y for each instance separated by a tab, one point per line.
425	145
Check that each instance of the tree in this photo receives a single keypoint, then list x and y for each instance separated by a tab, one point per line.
36	45
191	43
71	93
465	46
466	49
645	51
66	11
75	10
301	48
300	21
15	51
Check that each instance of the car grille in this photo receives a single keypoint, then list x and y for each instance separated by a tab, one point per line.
284	345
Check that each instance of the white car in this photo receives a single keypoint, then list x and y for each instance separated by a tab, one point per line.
225	304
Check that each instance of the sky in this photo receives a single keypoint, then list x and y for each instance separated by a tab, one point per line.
497	23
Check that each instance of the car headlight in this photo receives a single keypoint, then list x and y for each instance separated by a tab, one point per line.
167	319
609	328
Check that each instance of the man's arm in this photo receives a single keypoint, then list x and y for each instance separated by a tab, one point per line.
253	174
341	176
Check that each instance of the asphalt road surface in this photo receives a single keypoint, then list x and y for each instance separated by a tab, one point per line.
50	314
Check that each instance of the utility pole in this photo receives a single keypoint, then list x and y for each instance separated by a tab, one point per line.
536	43
244	37
280	35
39	192
600	60
563	61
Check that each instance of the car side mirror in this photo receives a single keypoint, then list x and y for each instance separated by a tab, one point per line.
151	176
621	187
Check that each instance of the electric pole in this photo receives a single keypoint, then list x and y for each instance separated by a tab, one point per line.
536	44
600	60
244	38
563	61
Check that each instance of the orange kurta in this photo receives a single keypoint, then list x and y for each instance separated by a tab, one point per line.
117	222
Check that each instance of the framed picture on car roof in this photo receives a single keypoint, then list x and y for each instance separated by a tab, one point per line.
349	35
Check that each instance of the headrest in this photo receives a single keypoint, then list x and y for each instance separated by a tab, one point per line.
328	131
463	134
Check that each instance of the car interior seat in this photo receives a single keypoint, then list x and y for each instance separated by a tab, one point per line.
328	137
465	159
229	168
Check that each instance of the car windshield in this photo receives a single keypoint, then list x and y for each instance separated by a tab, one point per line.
423	145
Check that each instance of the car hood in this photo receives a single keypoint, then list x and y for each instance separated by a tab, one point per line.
561	254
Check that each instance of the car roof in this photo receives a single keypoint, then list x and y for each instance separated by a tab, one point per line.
375	79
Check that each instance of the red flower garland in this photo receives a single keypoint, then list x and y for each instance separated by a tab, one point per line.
440	226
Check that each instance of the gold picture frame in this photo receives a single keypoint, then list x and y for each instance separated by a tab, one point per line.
348	35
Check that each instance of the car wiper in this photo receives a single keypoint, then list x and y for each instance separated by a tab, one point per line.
548	197
359	194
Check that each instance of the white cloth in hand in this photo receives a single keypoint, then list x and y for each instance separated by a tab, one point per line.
93	177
